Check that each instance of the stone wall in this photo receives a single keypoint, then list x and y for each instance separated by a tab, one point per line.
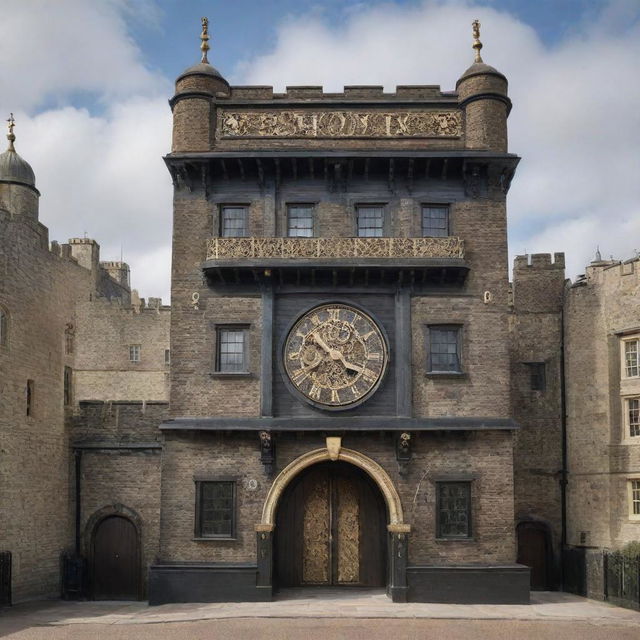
485	456
104	331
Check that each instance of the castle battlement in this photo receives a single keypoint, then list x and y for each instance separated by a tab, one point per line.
539	261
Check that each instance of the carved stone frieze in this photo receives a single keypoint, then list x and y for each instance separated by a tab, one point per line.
311	123
252	248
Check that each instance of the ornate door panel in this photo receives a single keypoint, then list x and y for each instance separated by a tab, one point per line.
331	529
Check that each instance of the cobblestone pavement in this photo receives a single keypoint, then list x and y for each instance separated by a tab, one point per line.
322	613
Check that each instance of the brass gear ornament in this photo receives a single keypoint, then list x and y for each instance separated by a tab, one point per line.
335	355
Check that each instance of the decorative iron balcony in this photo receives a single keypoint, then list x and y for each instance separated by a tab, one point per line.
225	249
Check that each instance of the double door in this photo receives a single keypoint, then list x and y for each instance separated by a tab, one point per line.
331	529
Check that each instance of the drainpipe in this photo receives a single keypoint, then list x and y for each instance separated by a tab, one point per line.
78	461
563	478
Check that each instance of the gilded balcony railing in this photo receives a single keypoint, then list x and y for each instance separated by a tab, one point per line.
292	248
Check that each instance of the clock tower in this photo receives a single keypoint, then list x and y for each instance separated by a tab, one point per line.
340	401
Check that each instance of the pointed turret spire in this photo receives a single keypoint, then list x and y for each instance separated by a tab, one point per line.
11	137
204	36
477	45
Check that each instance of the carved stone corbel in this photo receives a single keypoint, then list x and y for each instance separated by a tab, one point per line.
403	452
267	452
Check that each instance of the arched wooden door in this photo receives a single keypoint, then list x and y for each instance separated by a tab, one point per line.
331	529
116	564
533	551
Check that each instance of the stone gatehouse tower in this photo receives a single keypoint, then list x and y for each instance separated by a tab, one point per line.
340	408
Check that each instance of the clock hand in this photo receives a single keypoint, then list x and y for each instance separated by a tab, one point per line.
334	354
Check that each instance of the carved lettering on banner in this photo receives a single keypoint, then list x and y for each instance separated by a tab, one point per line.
339	124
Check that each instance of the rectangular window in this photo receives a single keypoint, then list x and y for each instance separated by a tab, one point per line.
370	222
4	328
537	375
233	222
633	416
30	392
300	221
634	499
444	349
453	508
67	386
215	509
134	353
631	358
231	350
435	221
167	356
68	339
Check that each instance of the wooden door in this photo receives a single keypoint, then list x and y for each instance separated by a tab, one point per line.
115	560
533	552
331	529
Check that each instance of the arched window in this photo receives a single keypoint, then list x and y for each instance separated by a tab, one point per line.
4	327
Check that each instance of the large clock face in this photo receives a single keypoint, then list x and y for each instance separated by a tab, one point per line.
335	355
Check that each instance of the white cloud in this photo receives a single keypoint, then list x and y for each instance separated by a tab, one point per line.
99	171
576	115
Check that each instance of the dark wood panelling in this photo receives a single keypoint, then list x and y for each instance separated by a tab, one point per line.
290	307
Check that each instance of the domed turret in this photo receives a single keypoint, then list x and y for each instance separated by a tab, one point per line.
196	89
202	76
482	93
13	168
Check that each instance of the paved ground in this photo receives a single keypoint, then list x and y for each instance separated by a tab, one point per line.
325	614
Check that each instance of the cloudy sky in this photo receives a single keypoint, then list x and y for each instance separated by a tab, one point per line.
88	82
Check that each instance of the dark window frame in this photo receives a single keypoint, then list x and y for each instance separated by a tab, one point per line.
537	375
221	220
245	328
301	205
468	484
371	205
435	205
458	328
30	392
68	386
4	327
199	482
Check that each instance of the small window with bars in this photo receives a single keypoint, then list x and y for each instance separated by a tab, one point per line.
453	509
231	350
68	339
233	222
370	221
134	352
537	375
300	221
215	509
633	416
444	349
634	499
435	221
631	367
167	356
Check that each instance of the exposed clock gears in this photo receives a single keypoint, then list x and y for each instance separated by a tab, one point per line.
335	355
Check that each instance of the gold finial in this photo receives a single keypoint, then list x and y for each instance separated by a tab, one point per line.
204	36
11	136
477	45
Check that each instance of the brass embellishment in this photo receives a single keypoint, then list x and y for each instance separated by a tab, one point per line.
335	355
204	37
315	545
348	532
477	45
339	124
292	248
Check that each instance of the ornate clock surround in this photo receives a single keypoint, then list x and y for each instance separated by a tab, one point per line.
353	382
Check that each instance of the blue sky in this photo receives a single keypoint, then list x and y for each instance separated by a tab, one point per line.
89	81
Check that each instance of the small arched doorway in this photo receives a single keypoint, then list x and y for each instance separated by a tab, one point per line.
115	566
534	551
331	529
